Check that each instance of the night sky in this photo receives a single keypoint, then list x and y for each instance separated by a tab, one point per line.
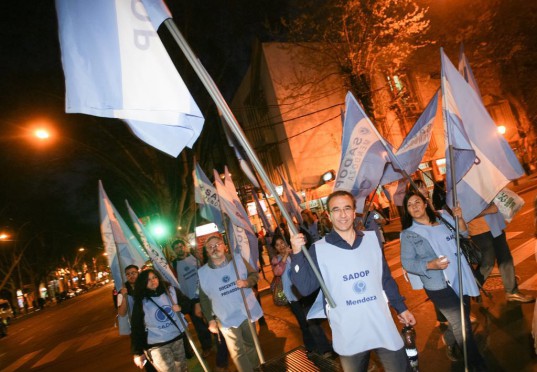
54	184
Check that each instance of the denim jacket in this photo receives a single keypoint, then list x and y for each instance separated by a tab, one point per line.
415	253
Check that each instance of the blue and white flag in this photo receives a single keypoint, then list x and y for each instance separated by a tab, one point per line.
160	263
242	234
246	169
291	200
228	205
116	66
232	191
262	215
363	156
487	163
466	71
121	246
411	151
244	244
206	197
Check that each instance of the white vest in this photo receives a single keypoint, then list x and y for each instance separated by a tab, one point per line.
361	319
220	286
187	275
159	327
442	241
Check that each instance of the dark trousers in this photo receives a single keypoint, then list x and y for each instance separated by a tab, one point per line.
312	332
496	250
447	301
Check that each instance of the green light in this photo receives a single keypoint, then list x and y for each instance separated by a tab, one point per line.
159	230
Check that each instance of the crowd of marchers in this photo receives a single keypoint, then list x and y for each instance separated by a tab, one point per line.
219	295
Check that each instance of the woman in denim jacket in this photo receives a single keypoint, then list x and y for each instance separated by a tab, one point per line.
429	255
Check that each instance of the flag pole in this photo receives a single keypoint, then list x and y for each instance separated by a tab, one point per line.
221	104
455	202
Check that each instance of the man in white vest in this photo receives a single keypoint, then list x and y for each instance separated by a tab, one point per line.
222	302
186	266
357	276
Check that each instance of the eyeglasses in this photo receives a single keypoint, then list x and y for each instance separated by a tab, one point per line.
345	210
214	246
131	273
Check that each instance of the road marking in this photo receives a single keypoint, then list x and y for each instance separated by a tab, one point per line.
92	341
17	364
530	284
524	251
510	235
528	211
53	354
26	340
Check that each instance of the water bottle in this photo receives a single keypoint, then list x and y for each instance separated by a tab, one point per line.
409	337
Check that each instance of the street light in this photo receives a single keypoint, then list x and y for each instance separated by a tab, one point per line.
501	129
42	134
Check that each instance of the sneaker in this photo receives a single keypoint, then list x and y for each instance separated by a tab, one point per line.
519	297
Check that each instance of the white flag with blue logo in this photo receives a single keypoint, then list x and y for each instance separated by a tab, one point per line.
363	156
486	164
116	66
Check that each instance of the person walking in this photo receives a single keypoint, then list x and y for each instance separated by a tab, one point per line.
186	266
156	330
429	255
487	231
222	302
357	275
313	335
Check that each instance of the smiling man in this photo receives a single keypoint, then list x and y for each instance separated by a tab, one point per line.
355	271
222	303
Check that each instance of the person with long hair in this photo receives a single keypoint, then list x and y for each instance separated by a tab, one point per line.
429	255
156	330
313	335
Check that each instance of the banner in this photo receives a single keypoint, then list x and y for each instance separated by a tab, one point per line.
363	156
116	66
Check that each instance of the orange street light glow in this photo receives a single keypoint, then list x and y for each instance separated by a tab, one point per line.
4	236
42	134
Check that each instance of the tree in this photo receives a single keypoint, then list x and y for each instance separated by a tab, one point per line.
360	37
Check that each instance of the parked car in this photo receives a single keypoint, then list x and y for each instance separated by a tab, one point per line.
71	293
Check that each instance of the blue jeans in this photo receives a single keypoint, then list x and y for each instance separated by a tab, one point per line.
496	249
312	333
392	361
447	301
